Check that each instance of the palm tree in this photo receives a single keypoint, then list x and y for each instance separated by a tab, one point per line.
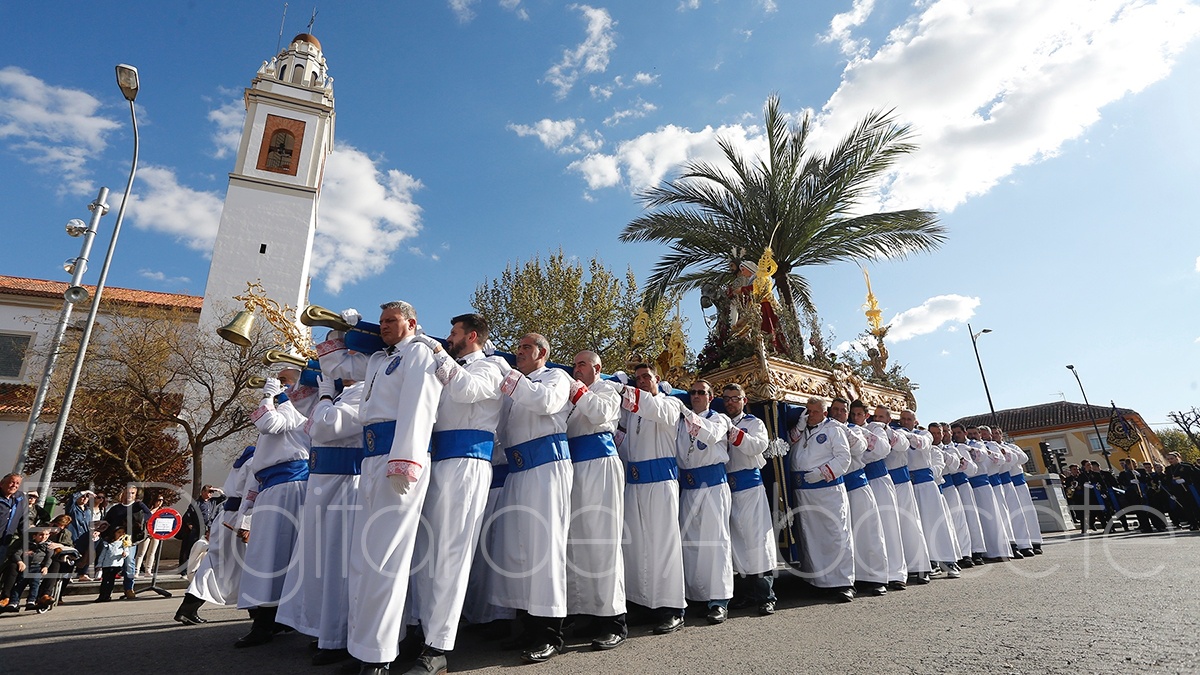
802	206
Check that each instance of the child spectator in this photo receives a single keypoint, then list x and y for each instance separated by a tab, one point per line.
24	569
114	549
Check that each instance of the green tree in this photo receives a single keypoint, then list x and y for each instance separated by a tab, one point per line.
1174	440
575	305
803	206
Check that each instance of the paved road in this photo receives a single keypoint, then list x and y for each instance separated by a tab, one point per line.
1107	604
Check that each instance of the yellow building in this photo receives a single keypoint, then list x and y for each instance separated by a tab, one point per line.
1068	426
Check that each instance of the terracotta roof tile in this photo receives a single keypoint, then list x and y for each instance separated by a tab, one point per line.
17	399
1045	416
42	288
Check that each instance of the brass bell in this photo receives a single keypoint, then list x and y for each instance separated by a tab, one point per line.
238	330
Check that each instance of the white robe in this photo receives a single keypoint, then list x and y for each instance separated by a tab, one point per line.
966	494
401	386
935	519
595	566
1017	469
870	547
751	528
991	520
889	514
458	493
653	552
828	555
477	606
219	575
916	551
704	511
950	462
316	591
536	501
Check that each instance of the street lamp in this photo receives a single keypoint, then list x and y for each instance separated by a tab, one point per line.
1099	438
74	294
975	345
127	80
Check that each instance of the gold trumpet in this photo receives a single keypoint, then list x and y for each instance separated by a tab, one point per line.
256	382
274	356
316	315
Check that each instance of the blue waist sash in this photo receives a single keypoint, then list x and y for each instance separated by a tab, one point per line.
1005	479
499	475
702	476
979	481
652	471
876	469
744	479
539	451
592	446
339	461
799	484
959	478
472	443
946	485
900	475
921	476
994	479
856	479
1018	479
284	472
377	438
232	504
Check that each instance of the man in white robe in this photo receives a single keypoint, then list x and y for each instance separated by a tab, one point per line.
948	472
595	566
885	493
956	438
654	552
751	528
935	519
820	457
870	550
1017	472
537	501
992	517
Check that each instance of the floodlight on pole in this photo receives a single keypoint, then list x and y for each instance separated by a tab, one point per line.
975	346
1099	439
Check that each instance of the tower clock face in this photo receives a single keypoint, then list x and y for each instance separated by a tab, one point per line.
281	143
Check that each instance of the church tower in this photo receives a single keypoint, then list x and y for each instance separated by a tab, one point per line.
270	212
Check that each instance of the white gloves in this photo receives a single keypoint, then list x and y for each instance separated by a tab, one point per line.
578	389
622	377
272	387
500	361
351	316
818	474
735	436
326	386
665	387
428	342
630	398
403	474
509	384
692	422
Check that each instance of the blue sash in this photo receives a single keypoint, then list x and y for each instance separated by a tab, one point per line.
744	479
338	461
472	443
232	504
799	484
979	481
921	476
994	479
1018	479
960	478
284	472
377	438
592	446
702	476
1005	479
856	479
876	469
652	471
539	451
499	475
900	475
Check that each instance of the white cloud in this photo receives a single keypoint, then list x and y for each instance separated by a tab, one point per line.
230	120
550	132
931	315
1198	263
53	128
640	109
841	25
685	5
600	93
515	7
160	204
365	215
644	78
462	9
769	6
590	56
155	275
993	85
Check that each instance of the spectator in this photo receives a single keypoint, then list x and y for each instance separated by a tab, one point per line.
61	564
13	510
39	514
114	552
82	517
197	520
25	568
145	556
131	515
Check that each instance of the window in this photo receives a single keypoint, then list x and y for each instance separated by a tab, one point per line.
1096	444
282	71
279	152
13	349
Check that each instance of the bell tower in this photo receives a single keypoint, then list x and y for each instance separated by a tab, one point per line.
270	213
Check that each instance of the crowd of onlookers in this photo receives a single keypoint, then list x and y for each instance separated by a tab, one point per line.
90	539
1149	496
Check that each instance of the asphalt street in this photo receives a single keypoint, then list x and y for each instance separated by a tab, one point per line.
1102	604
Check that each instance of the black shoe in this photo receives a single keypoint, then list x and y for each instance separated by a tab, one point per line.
314	645
767	608
607	642
671	625
189	619
977	559
845	594
540	654
877	589
429	663
13	608
1037	549
350	668
993	560
716	614
253	639
741	603
1016	553
897	586
373	669
921	578
1027	552
281	628
325	657
966	562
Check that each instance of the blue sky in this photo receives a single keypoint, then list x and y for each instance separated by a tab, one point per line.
1058	144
